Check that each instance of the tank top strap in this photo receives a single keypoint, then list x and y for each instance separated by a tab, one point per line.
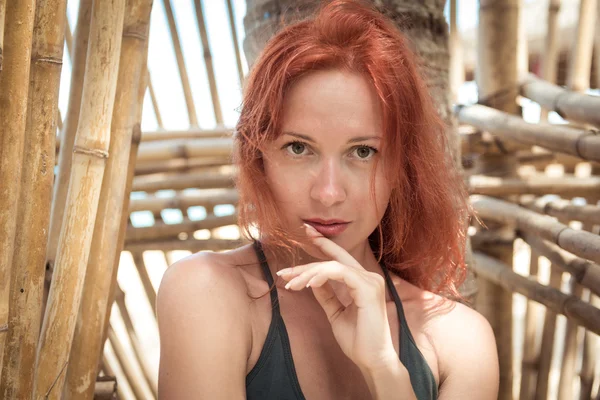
400	311
267	274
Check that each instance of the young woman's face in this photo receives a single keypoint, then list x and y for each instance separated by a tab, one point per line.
321	166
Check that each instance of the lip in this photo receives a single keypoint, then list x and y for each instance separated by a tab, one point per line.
328	228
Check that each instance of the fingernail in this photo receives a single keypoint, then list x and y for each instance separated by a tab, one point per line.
282	272
287	286
310	230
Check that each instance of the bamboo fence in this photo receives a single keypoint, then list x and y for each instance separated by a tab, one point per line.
18	21
27	277
84	352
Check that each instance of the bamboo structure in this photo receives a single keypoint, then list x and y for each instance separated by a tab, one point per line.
579	78
534	185
210	71
67	138
185	82
2	21
14	85
497	75
87	344
568	104
90	152
27	276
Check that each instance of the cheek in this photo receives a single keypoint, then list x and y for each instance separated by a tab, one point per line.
286	183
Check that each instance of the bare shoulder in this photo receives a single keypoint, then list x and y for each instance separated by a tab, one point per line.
466	349
204	326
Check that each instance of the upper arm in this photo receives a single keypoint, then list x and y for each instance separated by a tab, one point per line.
468	356
204	331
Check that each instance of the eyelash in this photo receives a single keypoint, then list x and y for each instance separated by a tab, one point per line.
373	149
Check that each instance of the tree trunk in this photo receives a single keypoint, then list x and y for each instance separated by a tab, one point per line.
423	23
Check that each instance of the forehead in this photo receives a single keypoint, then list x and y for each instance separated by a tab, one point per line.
332	103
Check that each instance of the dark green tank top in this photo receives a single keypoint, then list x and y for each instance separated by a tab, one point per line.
274	375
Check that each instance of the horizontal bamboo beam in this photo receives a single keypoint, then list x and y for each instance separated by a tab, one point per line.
192	133
581	143
566	103
568	305
193	245
153	183
162	230
207	198
184	148
180	164
105	388
581	243
566	186
564	210
585	272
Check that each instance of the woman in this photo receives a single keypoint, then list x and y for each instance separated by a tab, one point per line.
359	215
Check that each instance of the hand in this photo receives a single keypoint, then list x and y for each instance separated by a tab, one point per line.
361	326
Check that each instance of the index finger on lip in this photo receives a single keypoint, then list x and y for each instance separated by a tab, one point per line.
331	249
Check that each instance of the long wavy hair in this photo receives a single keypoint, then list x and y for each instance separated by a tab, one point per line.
422	234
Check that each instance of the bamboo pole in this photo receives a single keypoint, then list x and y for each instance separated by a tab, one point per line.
149	374
2	23
86	349
105	388
581	243
548	337
579	77
192	133
29	256
567	367
89	158
68	38
140	266
185	82
566	304
564	210
109	359
210	71
457	68
135	144
497	76
130	369
205	198
551	49
161	230
154	100
184	148
180	164
199	180
581	143
67	136
236	46
538	184
190	244
566	103
584	272
590	358
14	86
531	353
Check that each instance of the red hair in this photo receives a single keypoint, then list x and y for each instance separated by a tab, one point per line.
422	234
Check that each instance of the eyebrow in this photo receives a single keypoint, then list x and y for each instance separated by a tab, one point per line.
353	140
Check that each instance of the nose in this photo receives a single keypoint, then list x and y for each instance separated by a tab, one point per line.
328	187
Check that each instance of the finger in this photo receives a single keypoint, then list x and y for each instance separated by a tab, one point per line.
362	290
292	272
300	282
330	248
328	300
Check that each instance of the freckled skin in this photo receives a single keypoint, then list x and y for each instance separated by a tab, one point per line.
328	177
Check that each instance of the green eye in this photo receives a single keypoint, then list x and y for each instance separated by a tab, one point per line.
297	148
365	152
